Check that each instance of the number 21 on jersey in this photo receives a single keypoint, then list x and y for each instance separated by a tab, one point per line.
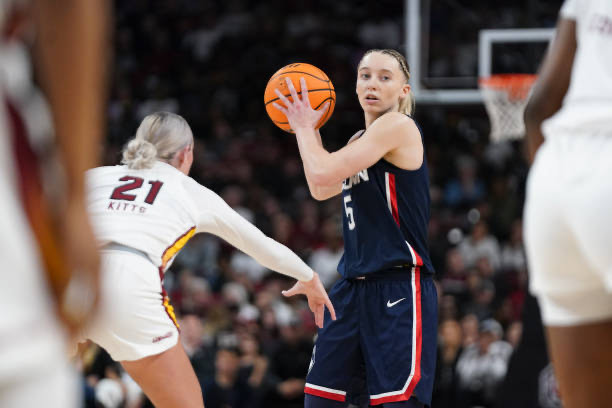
135	183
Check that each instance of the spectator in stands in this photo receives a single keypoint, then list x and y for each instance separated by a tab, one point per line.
480	244
454	277
467	189
513	251
449	349
200	354
483	365
469	327
325	258
110	391
255	367
227	389
289	364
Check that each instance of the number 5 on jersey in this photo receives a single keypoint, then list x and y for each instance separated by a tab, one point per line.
349	212
119	193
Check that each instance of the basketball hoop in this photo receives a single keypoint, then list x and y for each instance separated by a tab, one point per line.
505	98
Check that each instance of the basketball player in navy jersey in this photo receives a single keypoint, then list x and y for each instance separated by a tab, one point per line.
386	302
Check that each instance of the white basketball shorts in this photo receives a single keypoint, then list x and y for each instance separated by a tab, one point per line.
568	228
136	319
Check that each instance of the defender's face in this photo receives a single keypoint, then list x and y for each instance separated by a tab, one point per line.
381	84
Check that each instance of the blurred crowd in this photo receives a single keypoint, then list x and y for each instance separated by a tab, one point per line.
250	347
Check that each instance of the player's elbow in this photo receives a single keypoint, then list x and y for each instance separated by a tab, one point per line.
534	114
314	193
317	194
322	178
543	103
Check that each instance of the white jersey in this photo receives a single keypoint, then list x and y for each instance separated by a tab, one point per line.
588	102
157	210
31	339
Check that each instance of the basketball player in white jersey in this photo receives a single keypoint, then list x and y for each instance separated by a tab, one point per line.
144	212
49	262
568	222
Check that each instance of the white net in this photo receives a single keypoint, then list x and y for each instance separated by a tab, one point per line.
505	98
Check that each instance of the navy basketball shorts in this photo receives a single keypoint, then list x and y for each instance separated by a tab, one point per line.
382	345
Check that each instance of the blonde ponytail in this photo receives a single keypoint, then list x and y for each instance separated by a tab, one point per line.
406	105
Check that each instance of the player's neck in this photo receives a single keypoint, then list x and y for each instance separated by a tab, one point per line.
370	118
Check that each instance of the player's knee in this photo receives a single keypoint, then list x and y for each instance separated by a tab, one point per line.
312	401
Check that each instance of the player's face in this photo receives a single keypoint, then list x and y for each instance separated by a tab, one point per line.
381	84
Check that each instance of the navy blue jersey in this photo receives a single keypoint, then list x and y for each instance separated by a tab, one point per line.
385	219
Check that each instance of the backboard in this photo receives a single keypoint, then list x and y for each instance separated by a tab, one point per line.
451	44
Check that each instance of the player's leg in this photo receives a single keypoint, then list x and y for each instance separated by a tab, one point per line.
582	358
167	379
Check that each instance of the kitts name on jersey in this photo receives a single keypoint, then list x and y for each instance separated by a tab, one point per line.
355	179
126	207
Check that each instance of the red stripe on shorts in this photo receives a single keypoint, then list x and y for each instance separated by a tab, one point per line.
414	378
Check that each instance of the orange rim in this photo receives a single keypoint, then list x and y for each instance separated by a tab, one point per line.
516	85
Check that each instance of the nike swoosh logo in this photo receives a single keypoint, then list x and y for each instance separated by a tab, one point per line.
389	304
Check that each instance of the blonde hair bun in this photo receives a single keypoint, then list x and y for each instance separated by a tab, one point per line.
139	154
159	136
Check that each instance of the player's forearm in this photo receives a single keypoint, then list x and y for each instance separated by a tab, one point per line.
318	164
322	192
270	253
281	259
72	60
249	239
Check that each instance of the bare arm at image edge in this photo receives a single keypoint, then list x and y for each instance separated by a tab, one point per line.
220	219
552	84
71	57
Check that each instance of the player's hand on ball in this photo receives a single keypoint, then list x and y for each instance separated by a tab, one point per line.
299	113
317	297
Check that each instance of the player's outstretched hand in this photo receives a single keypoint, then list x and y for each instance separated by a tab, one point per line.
298	111
317	297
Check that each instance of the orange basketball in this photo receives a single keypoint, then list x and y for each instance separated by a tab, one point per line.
320	90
